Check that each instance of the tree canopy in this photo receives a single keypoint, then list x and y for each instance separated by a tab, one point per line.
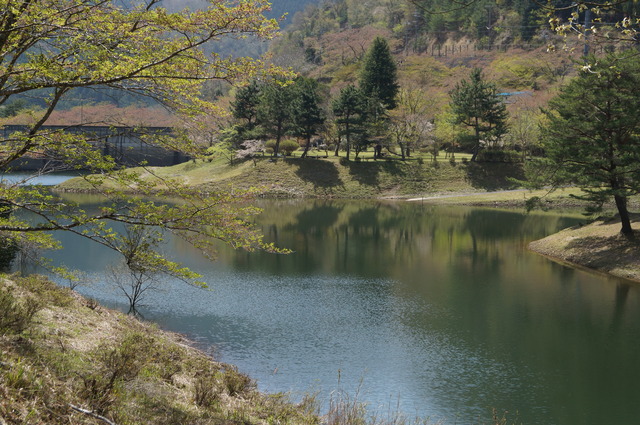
592	137
475	104
245	105
351	111
379	77
51	49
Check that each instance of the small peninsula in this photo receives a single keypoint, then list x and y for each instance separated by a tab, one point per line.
598	246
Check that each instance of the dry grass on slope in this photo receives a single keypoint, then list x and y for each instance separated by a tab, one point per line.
66	360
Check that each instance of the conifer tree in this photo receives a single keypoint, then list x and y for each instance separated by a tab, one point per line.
307	112
350	109
593	133
379	77
475	104
274	110
245	105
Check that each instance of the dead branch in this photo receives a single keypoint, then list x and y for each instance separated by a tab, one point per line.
92	414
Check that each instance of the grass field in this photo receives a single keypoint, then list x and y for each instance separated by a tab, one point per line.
335	177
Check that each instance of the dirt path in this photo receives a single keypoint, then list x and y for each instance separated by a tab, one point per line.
468	194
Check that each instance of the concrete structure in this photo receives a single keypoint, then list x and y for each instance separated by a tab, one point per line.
124	144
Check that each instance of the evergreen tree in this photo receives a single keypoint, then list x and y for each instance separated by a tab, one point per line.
593	132
350	109
475	104
379	77
274	110
245	105
307	112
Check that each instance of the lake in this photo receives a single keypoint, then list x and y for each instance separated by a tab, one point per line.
439	311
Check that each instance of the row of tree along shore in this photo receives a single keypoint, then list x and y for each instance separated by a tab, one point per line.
588	135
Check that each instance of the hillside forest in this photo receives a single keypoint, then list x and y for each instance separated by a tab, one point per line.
434	49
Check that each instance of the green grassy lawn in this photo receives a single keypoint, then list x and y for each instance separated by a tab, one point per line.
322	174
330	176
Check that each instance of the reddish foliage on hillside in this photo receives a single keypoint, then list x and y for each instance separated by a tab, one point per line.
102	114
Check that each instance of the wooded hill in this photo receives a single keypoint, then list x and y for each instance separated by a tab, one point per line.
435	47
417	24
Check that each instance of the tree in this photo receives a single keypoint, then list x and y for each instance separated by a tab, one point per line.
475	104
141	266
350	109
409	123
307	112
593	132
274	110
524	131
245	105
379	79
578	18
51	50
595	20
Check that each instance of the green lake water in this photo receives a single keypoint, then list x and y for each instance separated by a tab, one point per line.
441	312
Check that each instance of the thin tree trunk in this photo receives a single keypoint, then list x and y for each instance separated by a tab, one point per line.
476	146
306	148
276	148
348	140
621	204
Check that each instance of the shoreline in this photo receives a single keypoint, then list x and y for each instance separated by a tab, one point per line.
551	246
68	359
596	247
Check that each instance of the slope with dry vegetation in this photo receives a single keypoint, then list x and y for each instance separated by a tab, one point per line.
66	360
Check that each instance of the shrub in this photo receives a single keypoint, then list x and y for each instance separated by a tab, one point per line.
235	382
499	155
165	361
287	146
205	388
16	316
46	290
115	366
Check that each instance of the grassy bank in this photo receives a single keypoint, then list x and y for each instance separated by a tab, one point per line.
66	360
417	179
334	177
598	246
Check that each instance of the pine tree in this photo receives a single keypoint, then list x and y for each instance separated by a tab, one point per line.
379	77
350	109
274	110
245	105
593	132
475	104
307	112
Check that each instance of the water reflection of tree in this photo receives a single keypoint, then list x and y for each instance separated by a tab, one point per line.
315	219
622	294
373	238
